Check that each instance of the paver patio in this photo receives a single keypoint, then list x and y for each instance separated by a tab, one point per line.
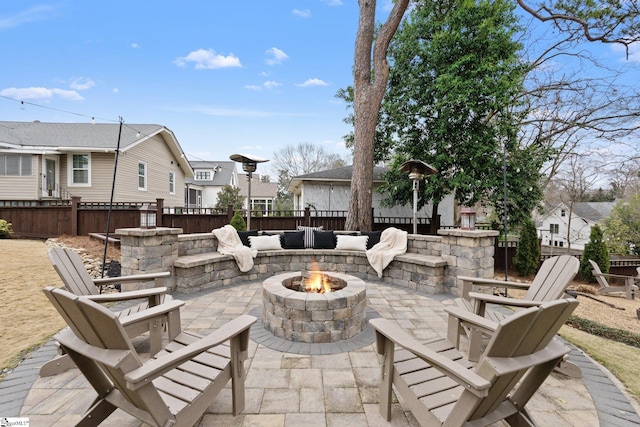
296	384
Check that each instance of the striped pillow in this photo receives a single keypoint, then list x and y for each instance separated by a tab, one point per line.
308	235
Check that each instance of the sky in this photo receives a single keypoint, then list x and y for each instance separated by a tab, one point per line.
226	77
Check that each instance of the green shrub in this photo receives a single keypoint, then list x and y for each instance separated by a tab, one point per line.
6	229
598	329
238	222
528	251
596	249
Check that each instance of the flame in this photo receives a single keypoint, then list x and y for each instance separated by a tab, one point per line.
317	282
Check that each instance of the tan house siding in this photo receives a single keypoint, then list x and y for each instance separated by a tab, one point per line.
160	161
22	187
101	178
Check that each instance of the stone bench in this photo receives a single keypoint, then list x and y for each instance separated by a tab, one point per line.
206	270
431	263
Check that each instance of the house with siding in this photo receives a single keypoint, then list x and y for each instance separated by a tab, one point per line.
569	225
208	180
44	161
263	194
331	190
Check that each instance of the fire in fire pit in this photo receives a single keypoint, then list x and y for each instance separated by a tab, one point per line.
314	282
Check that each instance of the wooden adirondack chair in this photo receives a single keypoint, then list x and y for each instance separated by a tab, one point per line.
440	387
551	281
77	280
630	288
174	388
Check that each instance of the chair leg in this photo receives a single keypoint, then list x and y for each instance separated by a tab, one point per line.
387	380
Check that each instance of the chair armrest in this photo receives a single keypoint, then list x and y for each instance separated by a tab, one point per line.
463	376
156	367
151	313
135	278
124	296
506	365
497	299
469	282
472	319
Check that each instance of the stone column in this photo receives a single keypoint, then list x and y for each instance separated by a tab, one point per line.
468	253
149	251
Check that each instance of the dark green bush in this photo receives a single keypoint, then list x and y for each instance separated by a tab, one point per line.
600	330
528	251
596	249
238	222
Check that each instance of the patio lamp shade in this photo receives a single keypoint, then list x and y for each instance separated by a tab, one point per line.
249	163
148	216
417	169
468	218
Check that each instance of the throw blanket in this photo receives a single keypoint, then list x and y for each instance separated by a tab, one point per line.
229	243
392	242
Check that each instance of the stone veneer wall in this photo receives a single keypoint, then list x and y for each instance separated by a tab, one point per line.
149	251
468	253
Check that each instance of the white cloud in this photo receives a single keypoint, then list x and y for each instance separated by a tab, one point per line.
301	13
208	60
276	56
115	90
135	45
313	82
271	84
266	85
36	13
41	93
81	83
634	51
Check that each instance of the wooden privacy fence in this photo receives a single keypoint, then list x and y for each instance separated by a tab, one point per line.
52	218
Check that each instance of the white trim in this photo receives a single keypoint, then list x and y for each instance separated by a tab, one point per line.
145	176
172	182
70	181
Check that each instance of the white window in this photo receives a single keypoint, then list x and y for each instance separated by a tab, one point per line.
172	182
562	212
142	176
555	228
203	175
15	164
79	166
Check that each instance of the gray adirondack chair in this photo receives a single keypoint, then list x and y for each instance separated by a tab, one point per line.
550	283
629	288
441	387
174	387
77	280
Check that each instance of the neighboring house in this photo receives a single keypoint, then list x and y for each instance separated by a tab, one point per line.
331	190
263	194
209	178
59	160
567	226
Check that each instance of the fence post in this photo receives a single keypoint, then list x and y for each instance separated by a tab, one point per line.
307	216
75	204
159	207
229	213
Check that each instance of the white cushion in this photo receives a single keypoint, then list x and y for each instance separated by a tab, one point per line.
265	243
352	243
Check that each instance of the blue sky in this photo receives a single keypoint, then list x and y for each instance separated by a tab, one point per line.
226	77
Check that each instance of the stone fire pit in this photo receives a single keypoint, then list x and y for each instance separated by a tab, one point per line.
314	317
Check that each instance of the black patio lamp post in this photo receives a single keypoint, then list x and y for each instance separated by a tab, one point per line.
249	165
417	170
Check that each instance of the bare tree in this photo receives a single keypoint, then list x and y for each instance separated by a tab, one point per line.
300	159
370	83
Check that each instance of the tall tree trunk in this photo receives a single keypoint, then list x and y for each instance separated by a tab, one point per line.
369	87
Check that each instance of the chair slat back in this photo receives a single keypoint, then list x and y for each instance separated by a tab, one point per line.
597	273
525	333
71	270
553	278
100	329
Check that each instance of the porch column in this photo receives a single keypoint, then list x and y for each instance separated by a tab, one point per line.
468	253
149	251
